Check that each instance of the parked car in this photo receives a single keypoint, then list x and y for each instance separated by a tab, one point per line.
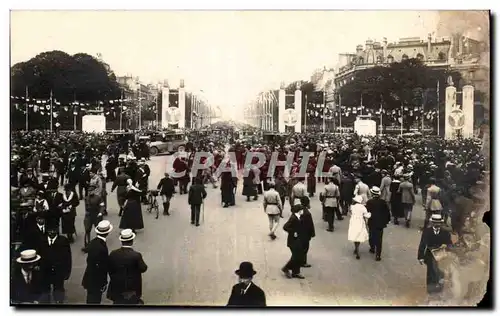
167	143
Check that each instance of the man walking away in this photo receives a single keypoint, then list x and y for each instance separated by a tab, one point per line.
196	195
294	228
95	278
377	222
126	267
407	197
273	208
308	229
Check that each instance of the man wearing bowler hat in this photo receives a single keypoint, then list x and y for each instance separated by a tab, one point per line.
246	293
95	278
26	280
56	265
125	267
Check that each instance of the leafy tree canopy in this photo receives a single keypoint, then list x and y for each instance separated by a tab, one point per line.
80	76
406	83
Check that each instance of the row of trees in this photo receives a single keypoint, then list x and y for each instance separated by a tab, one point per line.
400	85
80	77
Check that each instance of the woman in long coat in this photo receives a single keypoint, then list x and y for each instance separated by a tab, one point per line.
132	212
227	187
69	204
249	187
357	231
120	184
396	201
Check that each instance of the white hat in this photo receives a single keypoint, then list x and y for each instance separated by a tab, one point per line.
436	218
143	159
28	256
375	190
104	227
127	235
358	199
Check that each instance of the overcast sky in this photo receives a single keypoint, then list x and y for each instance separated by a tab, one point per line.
230	55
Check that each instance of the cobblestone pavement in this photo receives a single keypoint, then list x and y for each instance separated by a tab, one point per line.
190	265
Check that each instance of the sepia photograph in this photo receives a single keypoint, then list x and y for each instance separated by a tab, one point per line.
250	158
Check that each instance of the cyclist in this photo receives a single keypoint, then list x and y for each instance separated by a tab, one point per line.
166	187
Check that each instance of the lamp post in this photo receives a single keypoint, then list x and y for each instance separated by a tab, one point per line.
140	103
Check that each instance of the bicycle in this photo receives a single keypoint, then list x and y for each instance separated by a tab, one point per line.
153	202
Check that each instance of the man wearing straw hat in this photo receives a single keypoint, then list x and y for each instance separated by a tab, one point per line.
433	238
125	272
246	293
26	282
95	278
377	222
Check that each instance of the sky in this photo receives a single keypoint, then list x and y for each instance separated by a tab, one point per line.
230	55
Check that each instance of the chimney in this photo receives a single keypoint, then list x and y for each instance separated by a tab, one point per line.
429	48
359	49
384	42
369	44
460	45
451	53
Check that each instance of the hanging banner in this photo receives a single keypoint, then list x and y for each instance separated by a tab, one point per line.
468	109
365	127
182	107
173	115
94	123
281	110
290	117
165	104
298	110
450	106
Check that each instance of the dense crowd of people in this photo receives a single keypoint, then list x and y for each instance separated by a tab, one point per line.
374	179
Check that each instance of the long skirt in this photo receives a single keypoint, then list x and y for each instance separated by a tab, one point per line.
68	222
249	190
132	215
311	185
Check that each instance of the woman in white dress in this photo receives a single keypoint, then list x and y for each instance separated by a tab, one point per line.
357	231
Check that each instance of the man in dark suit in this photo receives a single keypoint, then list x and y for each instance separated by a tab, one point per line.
166	187
246	293
95	278
308	229
36	233
377	222
26	281
433	238
196	195
125	267
55	200
56	265
295	231
84	181
346	192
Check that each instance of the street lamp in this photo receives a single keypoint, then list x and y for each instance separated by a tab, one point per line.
138	85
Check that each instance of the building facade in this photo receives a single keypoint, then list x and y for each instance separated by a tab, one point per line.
456	53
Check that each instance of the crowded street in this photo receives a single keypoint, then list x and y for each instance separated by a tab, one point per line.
353	172
190	265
